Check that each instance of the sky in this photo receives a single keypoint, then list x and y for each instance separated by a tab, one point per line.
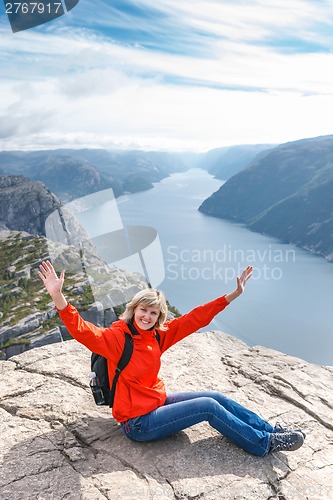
171	75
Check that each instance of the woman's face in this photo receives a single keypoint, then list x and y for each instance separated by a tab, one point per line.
146	317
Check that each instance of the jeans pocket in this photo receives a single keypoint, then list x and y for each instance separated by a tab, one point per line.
135	423
131	427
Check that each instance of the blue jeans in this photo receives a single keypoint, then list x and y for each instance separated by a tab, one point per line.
183	409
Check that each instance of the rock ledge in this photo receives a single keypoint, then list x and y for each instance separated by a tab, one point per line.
57	444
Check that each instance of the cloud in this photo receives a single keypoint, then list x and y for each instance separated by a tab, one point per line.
186	73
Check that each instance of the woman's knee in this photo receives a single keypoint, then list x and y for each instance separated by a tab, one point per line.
208	404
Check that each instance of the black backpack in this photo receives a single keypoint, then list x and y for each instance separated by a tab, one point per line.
99	379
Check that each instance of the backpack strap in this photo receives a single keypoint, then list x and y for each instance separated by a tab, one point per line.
158	337
126	356
123	362
135	332
132	328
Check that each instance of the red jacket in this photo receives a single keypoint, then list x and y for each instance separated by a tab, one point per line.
139	388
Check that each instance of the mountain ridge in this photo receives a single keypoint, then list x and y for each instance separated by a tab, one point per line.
284	193
71	174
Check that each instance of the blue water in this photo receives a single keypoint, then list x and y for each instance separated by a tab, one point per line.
286	304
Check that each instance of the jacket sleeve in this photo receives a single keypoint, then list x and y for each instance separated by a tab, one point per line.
96	339
181	327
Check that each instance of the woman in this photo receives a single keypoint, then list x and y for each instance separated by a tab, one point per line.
142	407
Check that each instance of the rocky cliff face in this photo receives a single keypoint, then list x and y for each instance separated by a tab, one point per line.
25	204
27	315
57	444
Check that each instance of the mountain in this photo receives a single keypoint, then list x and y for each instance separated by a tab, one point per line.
225	161
286	192
127	162
70	177
25	204
71	174
209	158
235	159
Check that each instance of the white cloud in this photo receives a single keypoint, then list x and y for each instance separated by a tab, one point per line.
75	88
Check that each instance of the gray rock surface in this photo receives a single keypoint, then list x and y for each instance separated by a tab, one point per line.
56	444
33	340
25	204
27	312
27	324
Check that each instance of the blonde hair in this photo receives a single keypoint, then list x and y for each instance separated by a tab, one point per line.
150	297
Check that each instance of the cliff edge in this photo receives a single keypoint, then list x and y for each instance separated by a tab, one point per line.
56	444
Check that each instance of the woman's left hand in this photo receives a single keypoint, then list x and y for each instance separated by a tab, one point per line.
242	280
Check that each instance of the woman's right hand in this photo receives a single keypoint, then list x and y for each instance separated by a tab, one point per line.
53	283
